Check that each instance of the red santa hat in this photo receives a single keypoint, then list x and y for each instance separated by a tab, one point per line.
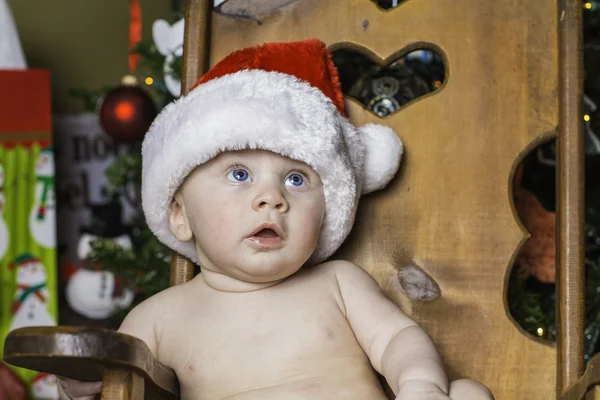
281	97
23	259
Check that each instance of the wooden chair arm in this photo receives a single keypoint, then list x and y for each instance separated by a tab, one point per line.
88	354
585	383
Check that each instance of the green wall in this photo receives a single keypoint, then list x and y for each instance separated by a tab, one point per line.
84	43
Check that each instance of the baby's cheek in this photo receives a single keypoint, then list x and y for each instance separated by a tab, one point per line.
315	213
220	222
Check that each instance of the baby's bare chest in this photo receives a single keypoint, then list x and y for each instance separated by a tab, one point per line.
258	339
282	326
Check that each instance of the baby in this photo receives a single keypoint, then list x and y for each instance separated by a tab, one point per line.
255	175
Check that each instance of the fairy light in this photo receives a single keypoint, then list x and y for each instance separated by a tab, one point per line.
586	117
588	5
149	81
540	331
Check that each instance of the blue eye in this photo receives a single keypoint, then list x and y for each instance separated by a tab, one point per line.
239	175
296	180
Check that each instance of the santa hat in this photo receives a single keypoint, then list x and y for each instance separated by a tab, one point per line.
281	97
23	259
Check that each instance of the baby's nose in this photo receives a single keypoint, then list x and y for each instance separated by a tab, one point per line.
272	198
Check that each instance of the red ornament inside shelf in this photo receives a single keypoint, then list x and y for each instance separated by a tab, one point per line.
127	112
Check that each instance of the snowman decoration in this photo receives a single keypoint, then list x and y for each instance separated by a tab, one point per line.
3	227
97	294
94	293
42	218
44	387
30	307
169	42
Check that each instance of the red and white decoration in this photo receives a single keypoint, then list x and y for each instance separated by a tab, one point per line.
30	306
42	218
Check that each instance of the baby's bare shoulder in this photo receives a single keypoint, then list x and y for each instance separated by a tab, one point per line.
320	275
144	320
336	272
342	268
164	300
329	278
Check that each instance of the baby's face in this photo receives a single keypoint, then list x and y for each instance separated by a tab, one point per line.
255	215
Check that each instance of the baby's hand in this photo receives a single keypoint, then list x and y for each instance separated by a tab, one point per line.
420	390
468	389
71	389
462	389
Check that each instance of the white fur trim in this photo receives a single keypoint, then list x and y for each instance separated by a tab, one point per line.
253	109
383	152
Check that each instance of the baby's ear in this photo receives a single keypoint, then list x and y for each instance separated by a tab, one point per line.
178	221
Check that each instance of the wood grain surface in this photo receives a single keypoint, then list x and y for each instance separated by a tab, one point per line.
570	202
128	385
449	210
196	50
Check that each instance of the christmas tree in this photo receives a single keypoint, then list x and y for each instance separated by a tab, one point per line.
145	266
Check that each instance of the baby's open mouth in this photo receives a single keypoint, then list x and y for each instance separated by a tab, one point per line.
267	236
266	233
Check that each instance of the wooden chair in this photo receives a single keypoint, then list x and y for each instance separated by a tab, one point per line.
513	76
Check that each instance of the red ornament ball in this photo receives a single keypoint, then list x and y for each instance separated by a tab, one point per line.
127	112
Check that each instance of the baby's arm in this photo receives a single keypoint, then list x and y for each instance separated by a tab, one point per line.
397	347
140	322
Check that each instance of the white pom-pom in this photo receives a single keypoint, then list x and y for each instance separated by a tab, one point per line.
383	150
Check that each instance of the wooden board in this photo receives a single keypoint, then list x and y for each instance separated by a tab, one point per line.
449	211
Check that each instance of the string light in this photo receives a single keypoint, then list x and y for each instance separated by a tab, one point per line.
149	81
437	84
588	5
586	117
540	331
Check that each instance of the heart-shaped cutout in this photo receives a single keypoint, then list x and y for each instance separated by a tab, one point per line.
384	87
388	4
